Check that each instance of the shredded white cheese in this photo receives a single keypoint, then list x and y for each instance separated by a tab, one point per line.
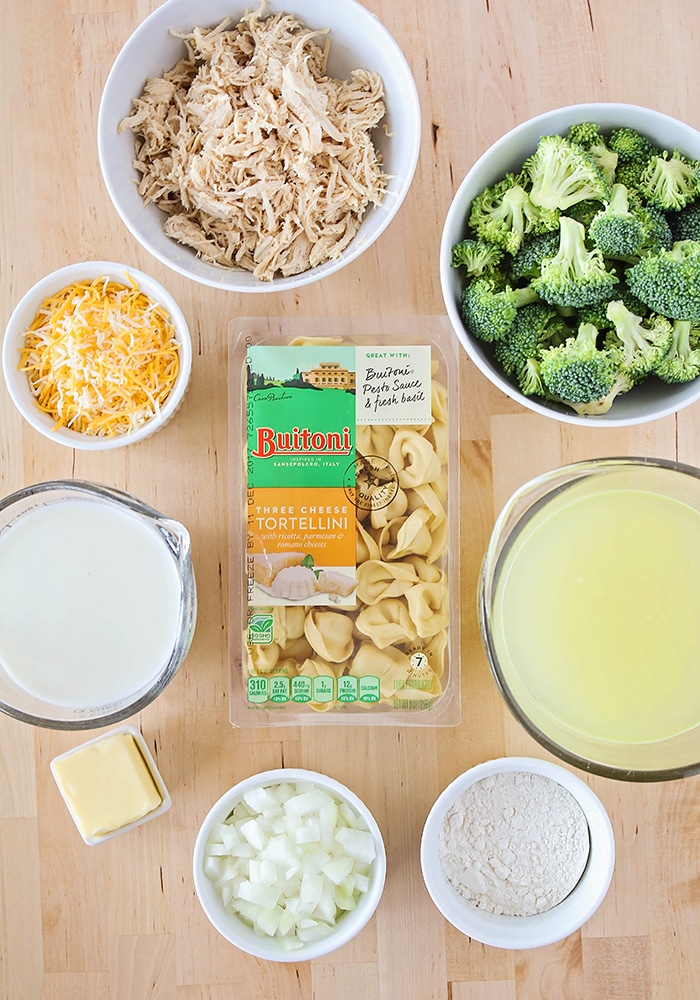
101	357
259	159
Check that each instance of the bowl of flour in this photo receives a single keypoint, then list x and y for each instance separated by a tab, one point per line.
517	853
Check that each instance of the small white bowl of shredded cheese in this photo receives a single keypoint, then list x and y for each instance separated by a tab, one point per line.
97	355
258	147
289	865
517	853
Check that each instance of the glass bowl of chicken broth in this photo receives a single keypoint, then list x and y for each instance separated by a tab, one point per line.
97	604
589	602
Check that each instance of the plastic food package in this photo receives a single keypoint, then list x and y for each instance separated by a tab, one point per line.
344	554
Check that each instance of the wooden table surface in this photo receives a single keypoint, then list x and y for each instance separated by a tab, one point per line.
121	921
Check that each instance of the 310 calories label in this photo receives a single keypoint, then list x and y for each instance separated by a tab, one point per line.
320	690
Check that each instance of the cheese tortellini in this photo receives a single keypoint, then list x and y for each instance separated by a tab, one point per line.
397	633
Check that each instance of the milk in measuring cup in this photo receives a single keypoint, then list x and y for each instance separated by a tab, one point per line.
89	603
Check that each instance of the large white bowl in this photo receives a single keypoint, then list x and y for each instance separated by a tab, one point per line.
541	929
649	401
236	930
23	315
357	40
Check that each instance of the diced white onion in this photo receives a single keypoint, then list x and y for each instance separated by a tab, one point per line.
290	860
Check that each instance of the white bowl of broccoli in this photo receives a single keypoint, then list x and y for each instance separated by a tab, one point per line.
570	264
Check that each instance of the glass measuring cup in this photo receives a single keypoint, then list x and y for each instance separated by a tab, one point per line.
97	604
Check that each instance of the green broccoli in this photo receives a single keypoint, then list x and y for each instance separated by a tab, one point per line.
598	312
639	343
578	371
682	363
503	213
584	134
477	256
589	136
623	383
527	262
685	224
583	268
489	307
562	173
604	158
659	235
630	174
630	145
670	182
668	282
575	276
529	379
617	230
535	326
584	212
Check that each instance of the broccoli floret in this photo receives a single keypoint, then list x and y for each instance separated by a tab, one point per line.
668	282
630	174
598	312
616	230
685	224
535	326
477	256
527	262
659	235
589	136
489	308
584	133
529	379
578	371
670	182
562	173
630	145
575	276
640	343
635	305
682	363
584	212
604	158
623	383
503	214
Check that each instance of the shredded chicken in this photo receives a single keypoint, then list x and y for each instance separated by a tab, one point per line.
259	159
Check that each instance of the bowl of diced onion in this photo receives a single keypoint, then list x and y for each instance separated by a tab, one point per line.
289	865
97	355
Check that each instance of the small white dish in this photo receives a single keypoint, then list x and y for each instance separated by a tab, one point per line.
512	932
25	312
240	934
149	764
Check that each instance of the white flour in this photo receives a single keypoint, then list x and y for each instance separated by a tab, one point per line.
515	843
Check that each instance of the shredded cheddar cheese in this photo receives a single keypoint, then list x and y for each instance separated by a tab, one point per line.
101	357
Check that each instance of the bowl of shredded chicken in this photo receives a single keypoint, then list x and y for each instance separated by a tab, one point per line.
258	149
97	355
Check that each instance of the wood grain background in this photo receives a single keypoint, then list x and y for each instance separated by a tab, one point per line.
121	922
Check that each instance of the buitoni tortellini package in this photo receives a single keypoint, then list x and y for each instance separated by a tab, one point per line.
345	522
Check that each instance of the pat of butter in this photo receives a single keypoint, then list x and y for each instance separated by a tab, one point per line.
106	784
